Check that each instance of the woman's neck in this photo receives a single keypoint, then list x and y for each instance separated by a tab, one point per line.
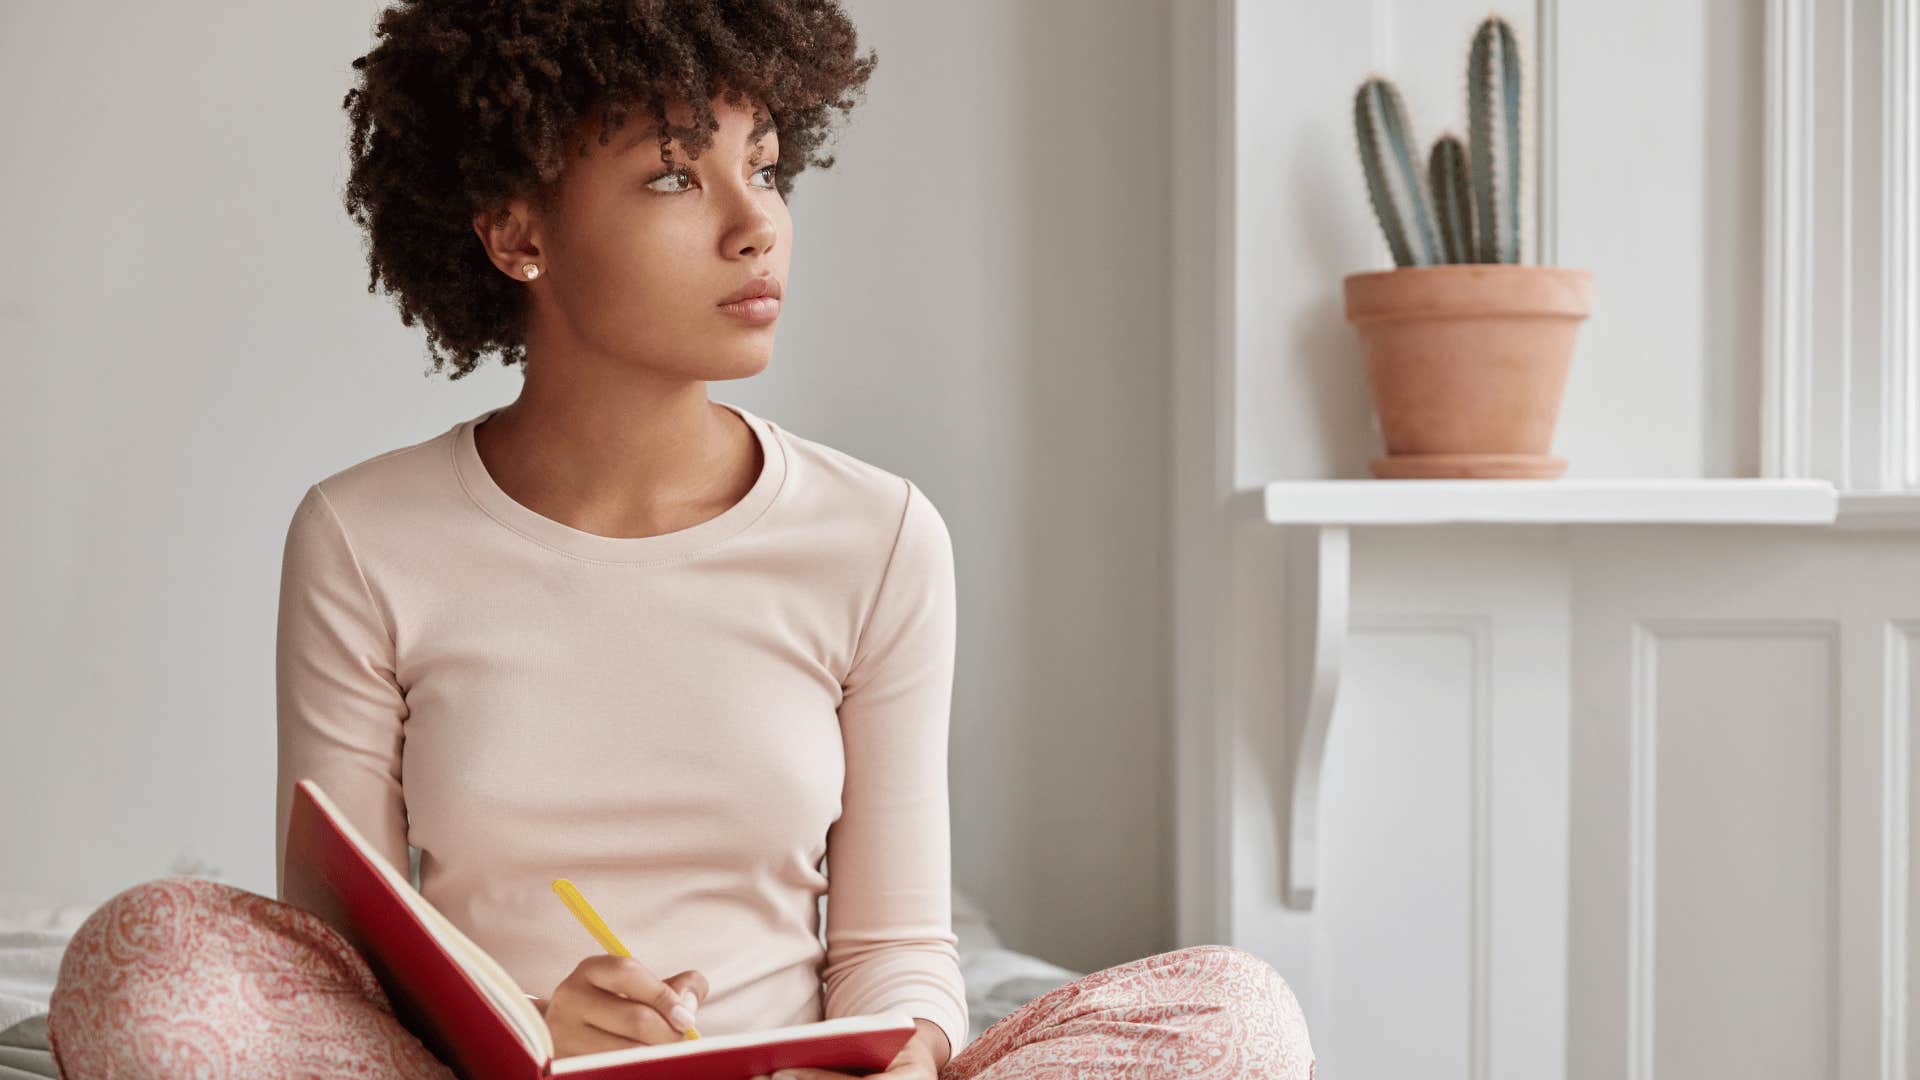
630	457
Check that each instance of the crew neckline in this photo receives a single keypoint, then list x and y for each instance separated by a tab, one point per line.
559	536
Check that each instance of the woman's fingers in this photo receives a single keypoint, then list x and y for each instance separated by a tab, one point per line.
690	980
633	1001
585	1038
634	1020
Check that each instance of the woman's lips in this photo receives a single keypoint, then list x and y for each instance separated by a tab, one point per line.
759	309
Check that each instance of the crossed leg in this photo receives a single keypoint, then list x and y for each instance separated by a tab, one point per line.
188	977
1208	1012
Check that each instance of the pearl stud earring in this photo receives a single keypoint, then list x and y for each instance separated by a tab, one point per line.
532	271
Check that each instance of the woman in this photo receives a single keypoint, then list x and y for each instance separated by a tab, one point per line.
615	631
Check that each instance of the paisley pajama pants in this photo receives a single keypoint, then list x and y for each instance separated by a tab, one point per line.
187	978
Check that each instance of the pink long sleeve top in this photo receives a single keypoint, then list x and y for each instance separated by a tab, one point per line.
705	730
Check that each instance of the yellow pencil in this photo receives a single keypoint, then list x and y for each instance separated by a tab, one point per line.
589	918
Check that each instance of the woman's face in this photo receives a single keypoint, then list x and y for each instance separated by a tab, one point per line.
638	255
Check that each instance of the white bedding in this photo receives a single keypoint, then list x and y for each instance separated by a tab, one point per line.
29	967
999	980
33	936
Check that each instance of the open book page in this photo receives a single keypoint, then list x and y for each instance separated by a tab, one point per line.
707	1044
505	994
501	991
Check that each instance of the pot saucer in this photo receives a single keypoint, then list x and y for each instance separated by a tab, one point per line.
1468	466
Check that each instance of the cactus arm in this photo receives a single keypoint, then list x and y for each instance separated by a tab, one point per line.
1510	53
1379	193
1452	198
1399	140
1493	117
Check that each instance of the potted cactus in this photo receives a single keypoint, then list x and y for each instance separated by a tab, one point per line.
1467	348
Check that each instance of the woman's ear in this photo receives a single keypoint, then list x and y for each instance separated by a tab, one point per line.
506	234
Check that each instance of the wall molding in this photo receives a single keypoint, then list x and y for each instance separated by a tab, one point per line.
1477	630
1786	395
1643	813
1203	78
1546	188
1900	212
1840	382
1902	643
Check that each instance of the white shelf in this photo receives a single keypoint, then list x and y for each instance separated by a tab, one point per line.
1555	502
1320	568
1880	510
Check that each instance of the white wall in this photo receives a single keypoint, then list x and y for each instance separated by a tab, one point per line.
189	344
1652	183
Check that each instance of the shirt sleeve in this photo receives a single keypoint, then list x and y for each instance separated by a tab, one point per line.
889	937
339	705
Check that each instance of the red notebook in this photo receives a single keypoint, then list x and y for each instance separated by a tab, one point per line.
466	1008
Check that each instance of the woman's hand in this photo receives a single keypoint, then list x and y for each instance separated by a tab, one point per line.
916	1061
612	1002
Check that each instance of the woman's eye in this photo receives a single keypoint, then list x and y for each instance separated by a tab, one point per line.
677	174
684	176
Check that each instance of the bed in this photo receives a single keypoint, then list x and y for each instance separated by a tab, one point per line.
34	935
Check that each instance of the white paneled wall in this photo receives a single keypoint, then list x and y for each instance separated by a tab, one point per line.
1596	800
1443	795
1742	769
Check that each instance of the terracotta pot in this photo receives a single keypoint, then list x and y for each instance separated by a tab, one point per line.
1468	364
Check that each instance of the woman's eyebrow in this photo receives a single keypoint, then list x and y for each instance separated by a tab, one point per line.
641	131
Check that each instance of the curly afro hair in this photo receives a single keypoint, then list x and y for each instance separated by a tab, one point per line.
463	104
